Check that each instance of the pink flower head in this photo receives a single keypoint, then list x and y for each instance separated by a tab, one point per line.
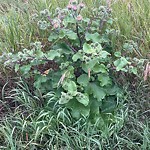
79	18
69	6
56	25
81	5
74	8
61	17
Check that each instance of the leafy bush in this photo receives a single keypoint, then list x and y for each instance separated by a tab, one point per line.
78	63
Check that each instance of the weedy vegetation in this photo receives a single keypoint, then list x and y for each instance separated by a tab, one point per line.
76	75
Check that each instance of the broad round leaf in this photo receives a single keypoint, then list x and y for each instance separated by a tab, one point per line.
88	49
104	79
83	80
97	91
52	54
83	99
95	37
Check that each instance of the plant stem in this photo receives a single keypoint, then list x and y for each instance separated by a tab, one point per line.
77	30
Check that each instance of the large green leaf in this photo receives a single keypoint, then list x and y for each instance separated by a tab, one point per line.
109	105
103	54
95	37
92	63
39	80
117	54
52	54
121	63
97	91
94	109
52	37
100	68
78	109
63	101
76	56
89	65
25	68
82	98
70	86
70	34
88	49
112	90
67	20
39	54
104	79
64	48
83	79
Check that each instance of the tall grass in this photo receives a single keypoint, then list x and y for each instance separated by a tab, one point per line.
34	126
133	21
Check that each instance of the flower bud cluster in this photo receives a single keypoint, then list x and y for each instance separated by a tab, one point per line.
65	97
76	8
34	17
43	24
44	13
64	65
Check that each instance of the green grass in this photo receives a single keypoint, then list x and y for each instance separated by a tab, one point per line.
32	125
133	20
17	30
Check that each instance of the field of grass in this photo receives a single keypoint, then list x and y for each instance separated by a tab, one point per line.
27	121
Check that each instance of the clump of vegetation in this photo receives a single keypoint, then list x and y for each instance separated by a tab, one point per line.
69	93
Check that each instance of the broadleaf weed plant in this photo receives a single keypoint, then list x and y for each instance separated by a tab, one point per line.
78	64
72	76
